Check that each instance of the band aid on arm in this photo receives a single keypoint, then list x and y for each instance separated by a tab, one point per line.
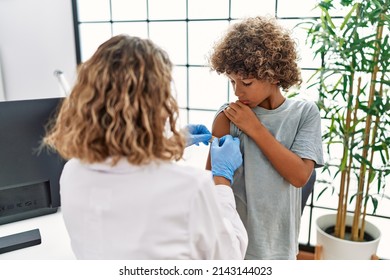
212	138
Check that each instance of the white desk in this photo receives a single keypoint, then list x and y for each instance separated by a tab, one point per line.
55	241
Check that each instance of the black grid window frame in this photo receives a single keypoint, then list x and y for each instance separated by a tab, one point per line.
311	205
187	20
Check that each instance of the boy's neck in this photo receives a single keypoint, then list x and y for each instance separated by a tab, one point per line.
273	101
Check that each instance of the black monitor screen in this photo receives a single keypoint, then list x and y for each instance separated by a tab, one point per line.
29	176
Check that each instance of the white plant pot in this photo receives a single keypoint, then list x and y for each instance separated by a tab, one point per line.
334	248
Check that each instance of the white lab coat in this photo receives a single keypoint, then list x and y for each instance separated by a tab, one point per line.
159	211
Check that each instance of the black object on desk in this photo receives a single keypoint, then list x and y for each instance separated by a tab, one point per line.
20	240
29	174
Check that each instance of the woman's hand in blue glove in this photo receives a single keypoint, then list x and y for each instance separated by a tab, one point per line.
197	133
226	156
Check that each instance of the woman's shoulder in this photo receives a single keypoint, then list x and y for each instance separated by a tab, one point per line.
170	173
72	163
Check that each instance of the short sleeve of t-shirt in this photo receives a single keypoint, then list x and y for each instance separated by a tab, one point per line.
308	140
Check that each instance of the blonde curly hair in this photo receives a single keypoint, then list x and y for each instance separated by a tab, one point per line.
119	107
260	48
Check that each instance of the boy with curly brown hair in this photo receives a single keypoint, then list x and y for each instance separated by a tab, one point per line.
280	138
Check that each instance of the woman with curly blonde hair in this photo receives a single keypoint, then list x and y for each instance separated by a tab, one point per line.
280	137
122	197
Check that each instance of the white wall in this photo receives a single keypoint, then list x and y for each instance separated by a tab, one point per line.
36	38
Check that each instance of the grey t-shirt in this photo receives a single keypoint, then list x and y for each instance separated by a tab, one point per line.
269	206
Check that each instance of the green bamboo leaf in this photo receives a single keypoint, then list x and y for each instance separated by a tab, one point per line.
386	82
323	190
377	4
379	182
352	197
336	173
386	149
348	16
315	74
346	2
372	176
329	19
338	83
325	5
375	204
362	160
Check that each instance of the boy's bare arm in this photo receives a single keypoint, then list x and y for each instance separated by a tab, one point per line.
290	166
221	127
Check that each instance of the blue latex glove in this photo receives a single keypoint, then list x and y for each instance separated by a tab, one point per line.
197	133
226	156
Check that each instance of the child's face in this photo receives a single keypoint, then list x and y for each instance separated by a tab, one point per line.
252	92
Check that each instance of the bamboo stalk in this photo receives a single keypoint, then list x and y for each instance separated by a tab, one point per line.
340	225
373	137
345	175
354	122
366	135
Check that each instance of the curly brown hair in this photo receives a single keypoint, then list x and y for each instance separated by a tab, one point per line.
120	106
258	47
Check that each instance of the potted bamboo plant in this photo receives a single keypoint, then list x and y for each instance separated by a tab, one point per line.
353	82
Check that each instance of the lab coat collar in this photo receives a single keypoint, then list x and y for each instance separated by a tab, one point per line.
122	166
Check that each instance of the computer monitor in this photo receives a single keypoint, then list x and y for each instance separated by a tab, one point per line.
29	176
